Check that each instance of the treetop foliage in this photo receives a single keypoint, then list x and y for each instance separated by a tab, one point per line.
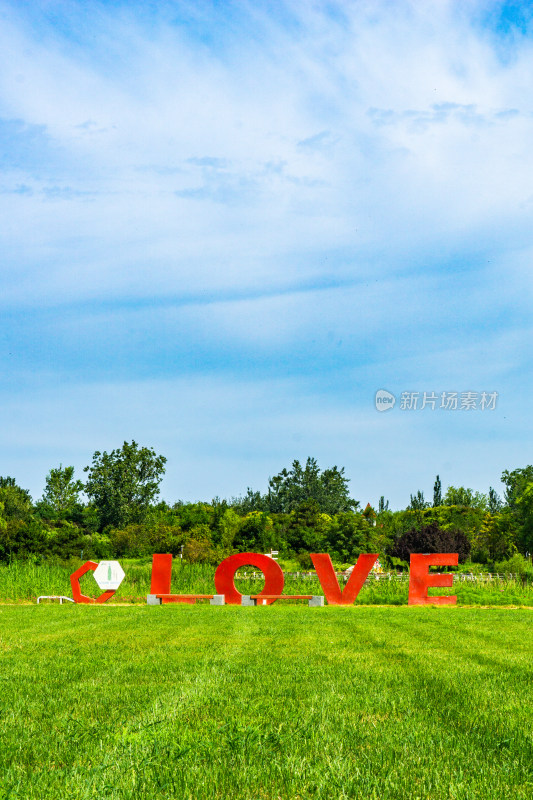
516	483
122	484
459	496
328	488
305	509
417	502
62	491
432	539
16	501
437	492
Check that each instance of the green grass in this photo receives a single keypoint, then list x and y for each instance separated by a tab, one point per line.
265	703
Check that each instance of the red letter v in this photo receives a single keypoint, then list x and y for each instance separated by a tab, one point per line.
330	584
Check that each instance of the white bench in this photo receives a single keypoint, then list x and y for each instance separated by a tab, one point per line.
59	597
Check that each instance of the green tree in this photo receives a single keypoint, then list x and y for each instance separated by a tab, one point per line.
290	488
255	532
494	502
22	537
347	536
64	539
17	501
62	491
437	493
198	547
188	515
418	503
307	526
519	498
496	538
228	526
383	505
459	496
515	483
252	501
122	484
21	533
524	514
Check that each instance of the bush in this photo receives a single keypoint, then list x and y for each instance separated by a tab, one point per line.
254	533
304	561
138	540
96	546
198	548
516	565
20	538
347	536
64	539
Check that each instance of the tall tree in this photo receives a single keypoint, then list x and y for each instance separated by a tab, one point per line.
383	504
62	491
122	484
519	498
418	503
328	488
437	493
516	483
16	500
495	503
460	496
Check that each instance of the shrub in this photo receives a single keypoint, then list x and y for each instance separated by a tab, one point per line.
198	548
516	565
141	540
20	538
304	561
64	539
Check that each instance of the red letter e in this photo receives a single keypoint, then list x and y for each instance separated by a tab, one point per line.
420	579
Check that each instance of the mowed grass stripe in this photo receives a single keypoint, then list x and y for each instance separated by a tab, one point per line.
290	702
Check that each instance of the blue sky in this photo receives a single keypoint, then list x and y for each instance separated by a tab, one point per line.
224	226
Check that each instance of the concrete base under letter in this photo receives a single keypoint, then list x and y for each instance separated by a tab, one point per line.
246	600
218	600
153	600
316	600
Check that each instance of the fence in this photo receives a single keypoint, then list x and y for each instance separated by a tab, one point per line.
458	577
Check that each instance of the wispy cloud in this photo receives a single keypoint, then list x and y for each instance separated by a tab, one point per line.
327	191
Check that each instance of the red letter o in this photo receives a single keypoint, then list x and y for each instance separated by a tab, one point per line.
226	570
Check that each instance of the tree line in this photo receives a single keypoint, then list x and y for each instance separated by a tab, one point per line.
116	512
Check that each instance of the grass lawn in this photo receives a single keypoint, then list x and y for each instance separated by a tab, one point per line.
276	702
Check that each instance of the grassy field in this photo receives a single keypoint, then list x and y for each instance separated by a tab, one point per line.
24	581
284	702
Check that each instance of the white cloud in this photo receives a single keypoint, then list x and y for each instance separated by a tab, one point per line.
228	129
383	149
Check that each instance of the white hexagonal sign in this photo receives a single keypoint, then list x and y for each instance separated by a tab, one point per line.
108	575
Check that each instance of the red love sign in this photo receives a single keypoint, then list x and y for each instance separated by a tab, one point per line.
420	579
